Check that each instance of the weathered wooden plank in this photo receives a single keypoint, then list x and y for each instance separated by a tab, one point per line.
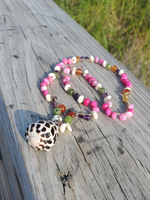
103	159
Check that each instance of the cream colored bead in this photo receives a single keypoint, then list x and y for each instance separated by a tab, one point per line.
48	97
85	73
73	71
121	72
98	86
80	99
52	75
67	87
69	127
74	60
107	98
57	68
91	58
62	127
56	118
104	63
94	115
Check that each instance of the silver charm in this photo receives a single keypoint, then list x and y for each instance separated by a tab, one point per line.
42	134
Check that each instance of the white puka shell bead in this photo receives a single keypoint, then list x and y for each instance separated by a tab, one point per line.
57	68
67	87
98	86
85	73
52	75
107	98
56	118
69	127
48	97
80	99
91	58
121	72
94	115
73	71
62	127
104	63
74	60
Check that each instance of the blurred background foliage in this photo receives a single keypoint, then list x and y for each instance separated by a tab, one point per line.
121	26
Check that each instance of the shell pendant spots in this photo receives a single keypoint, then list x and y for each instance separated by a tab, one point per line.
42	135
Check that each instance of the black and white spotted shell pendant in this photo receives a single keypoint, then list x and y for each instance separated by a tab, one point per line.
42	134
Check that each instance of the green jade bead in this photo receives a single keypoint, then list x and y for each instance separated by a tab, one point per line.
68	119
102	90
70	92
57	111
108	66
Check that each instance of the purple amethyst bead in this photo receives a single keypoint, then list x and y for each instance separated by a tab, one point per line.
87	117
81	116
54	104
56	71
54	98
76	96
104	95
81	58
117	71
87	58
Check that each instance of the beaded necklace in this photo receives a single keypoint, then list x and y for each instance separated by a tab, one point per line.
43	134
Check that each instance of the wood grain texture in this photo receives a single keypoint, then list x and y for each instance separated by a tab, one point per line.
101	159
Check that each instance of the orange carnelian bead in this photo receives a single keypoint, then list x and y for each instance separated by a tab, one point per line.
72	114
78	58
62	107
78	71
114	68
126	91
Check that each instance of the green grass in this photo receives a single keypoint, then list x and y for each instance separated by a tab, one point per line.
121	26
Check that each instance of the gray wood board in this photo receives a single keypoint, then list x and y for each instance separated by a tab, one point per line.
101	159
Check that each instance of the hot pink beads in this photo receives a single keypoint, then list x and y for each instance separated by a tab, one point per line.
65	61
88	76
101	61
128	84
66	79
50	79
43	88
46	92
96	109
96	59
129	114
124	75
131	110
131	106
46	80
93	104
67	70
94	83
105	106
108	111
86	102
69	61
113	115
91	80
122	117
42	84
